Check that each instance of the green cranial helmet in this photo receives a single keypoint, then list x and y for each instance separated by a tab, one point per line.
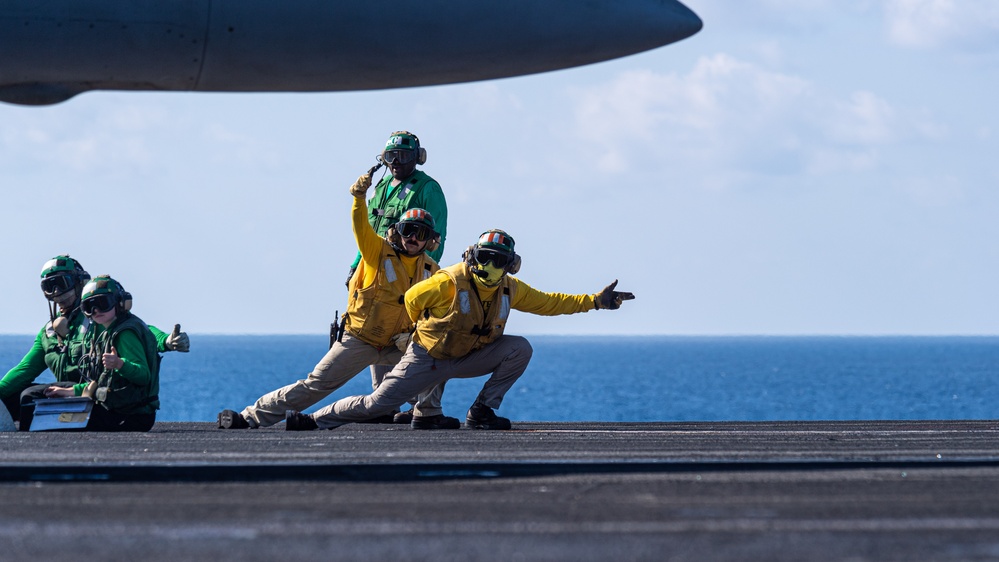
61	274
402	140
416	224
103	293
403	149
496	240
495	247
419	216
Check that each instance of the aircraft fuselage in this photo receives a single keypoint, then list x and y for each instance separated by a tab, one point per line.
51	50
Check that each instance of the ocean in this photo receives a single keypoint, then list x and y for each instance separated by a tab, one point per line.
638	379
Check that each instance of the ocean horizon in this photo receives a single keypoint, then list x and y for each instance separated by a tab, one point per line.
630	378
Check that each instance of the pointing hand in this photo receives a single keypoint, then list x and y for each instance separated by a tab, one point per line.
609	298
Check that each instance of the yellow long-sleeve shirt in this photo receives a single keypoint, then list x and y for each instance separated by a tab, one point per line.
370	244
437	293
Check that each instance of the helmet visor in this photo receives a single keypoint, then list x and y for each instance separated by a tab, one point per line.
57	285
98	304
415	230
399	156
484	255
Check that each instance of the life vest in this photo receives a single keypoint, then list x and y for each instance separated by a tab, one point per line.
465	327
395	201
115	392
62	355
376	313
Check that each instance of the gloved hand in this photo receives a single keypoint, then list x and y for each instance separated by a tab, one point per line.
609	298
402	341
178	341
360	187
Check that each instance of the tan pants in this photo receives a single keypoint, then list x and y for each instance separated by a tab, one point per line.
416	373
344	360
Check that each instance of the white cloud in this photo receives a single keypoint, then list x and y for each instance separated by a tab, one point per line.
942	23
733	116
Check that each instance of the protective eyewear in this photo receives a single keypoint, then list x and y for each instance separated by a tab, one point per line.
399	156
57	285
483	256
98	304
414	230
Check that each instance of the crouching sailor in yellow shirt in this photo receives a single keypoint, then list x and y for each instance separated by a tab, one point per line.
461	314
376	318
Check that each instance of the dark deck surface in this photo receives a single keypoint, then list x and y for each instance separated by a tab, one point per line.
926	490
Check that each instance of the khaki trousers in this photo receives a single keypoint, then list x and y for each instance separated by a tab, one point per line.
344	360
417	372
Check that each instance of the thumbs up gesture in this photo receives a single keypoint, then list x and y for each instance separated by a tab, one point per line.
111	360
178	341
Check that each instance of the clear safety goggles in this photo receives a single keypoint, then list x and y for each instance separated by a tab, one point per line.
97	304
414	230
399	156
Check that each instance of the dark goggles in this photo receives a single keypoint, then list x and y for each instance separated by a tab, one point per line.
483	256
98	304
57	285
399	156
414	230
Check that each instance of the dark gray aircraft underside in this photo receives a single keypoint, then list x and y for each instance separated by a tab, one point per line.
51	50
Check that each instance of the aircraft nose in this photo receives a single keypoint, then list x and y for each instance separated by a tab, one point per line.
663	21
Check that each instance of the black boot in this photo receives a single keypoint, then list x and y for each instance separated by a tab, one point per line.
482	417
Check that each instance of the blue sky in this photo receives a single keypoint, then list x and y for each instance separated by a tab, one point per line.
797	167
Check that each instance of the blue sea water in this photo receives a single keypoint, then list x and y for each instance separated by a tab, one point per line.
654	378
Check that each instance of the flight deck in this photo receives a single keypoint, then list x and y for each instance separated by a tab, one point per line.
858	490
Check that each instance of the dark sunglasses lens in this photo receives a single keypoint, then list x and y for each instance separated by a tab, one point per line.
411	230
56	285
98	304
486	256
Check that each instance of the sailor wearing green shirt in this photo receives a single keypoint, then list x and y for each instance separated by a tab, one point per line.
120	365
406	188
58	346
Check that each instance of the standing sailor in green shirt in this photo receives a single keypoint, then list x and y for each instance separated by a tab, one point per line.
58	346
406	188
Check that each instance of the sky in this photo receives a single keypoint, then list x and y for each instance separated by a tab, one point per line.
795	168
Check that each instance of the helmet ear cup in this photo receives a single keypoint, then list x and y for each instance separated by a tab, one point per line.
393	237
421	156
467	256
125	298
433	244
514	266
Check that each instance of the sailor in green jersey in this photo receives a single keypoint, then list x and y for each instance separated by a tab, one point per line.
120	365
58	346
406	188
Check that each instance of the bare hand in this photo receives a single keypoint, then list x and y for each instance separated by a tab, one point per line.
59	392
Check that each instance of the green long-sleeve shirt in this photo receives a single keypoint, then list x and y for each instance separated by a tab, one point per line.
62	361
418	191
132	352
